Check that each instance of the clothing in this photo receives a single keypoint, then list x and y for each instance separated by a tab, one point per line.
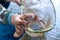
5	3
6	32
6	28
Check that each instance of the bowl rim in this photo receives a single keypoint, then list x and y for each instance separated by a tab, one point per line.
40	31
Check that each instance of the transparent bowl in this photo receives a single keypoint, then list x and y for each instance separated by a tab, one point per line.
46	13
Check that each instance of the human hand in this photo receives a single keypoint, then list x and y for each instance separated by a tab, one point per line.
20	23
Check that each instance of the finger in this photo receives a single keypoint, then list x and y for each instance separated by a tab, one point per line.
35	18
20	22
18	32
24	22
28	15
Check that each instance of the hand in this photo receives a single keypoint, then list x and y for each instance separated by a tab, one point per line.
19	21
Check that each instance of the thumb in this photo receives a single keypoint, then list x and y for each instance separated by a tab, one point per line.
18	32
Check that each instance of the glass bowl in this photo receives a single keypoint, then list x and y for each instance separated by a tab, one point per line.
45	11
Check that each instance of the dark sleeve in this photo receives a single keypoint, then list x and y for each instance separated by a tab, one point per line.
5	4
